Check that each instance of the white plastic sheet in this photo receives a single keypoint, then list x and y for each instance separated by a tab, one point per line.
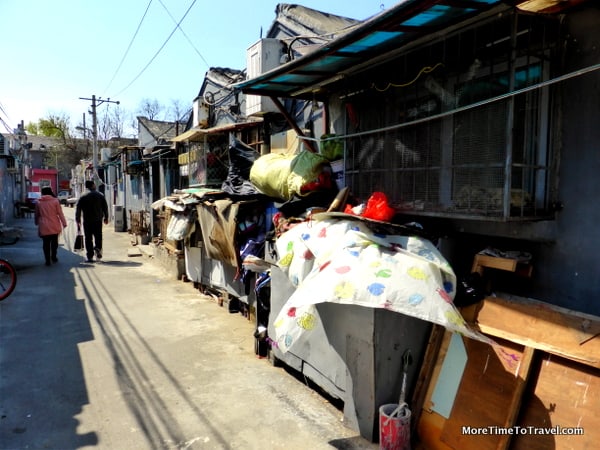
179	225
343	261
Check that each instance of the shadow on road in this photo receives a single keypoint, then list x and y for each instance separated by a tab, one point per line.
105	262
42	384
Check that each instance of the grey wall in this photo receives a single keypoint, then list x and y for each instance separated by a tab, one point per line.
371	343
568	272
566	262
6	194
137	194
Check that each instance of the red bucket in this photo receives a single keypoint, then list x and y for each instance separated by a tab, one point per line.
394	427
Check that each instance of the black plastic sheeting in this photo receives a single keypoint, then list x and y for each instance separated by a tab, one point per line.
241	158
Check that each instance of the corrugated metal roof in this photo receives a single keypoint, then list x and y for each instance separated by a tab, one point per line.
391	29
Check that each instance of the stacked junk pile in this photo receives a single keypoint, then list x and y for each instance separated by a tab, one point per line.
285	213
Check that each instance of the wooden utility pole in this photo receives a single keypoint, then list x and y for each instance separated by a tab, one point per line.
95	103
24	155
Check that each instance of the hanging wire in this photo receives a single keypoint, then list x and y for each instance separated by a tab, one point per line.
3	111
185	35
129	46
426	69
533	87
158	51
6	125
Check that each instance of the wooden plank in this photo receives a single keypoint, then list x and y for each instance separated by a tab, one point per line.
426	372
429	423
429	430
565	394
526	391
428	405
515	403
588	330
481	262
541	326
490	383
493	262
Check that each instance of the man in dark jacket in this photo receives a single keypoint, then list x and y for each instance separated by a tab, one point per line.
94	208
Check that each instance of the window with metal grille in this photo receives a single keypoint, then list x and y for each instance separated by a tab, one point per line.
468	134
206	163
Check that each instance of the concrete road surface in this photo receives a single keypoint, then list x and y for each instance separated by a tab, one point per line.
115	355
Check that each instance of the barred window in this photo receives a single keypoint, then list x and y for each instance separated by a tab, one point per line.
470	135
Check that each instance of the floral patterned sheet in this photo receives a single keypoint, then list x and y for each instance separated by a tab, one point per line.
343	261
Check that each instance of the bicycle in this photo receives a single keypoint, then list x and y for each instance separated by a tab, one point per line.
8	273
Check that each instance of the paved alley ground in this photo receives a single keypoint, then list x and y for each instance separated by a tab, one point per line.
115	355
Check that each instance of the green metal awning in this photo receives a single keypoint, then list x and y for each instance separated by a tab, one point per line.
354	51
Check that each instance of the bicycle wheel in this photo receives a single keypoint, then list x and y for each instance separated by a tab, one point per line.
8	279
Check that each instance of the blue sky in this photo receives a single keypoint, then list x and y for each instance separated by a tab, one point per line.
53	53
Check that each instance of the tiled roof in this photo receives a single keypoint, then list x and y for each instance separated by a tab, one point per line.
297	20
161	130
37	142
355	49
223	76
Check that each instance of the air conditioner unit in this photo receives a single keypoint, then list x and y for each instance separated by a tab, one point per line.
200	113
261	57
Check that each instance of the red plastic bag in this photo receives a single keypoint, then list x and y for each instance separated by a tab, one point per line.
378	209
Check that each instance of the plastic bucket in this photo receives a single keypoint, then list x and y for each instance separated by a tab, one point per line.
394	427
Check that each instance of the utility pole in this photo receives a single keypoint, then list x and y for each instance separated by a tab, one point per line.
23	147
95	103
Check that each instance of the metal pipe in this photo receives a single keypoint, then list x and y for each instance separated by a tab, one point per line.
293	124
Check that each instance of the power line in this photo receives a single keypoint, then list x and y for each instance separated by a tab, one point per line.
186	36
129	46
8	128
2	110
159	50
6	125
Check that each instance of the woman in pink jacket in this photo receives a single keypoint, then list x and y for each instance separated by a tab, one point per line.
50	220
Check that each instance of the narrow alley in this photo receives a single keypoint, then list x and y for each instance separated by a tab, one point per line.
115	355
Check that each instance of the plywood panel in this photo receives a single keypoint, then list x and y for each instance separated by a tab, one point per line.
485	395
542	326
429	430
429	423
563	393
